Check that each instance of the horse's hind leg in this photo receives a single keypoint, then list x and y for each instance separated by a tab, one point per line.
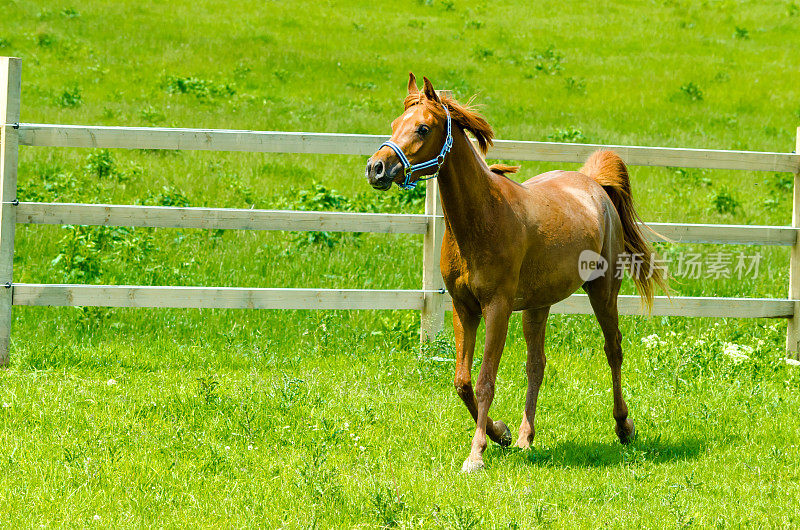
603	297
534	322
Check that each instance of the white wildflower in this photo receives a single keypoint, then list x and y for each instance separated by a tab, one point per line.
250	447
96	517
737	352
653	341
6	405
111	382
792	362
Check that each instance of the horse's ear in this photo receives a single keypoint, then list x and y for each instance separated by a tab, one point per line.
412	84
430	92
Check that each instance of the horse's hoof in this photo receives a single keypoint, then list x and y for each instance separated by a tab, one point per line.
505	438
522	444
627	432
471	466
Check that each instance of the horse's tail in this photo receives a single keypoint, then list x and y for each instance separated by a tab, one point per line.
608	170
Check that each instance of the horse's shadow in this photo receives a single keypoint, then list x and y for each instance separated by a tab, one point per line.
599	454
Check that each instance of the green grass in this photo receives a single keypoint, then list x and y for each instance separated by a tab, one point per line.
248	418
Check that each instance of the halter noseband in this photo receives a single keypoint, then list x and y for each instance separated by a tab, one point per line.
408	168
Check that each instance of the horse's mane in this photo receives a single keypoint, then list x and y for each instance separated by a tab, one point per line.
502	169
464	115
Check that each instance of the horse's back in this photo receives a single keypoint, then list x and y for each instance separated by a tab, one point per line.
543	177
559	179
566	198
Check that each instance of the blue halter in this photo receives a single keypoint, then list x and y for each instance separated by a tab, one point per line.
408	168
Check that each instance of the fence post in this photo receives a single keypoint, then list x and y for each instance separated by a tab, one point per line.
793	330
9	142
433	308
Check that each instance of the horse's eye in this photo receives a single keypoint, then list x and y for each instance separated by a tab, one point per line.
423	130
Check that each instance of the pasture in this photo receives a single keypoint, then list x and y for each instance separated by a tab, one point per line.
296	419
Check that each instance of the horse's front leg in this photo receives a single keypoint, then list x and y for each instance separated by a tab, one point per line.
465	329
496	316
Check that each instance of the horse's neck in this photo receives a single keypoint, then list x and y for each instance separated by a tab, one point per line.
467	190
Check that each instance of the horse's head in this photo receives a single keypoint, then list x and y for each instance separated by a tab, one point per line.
420	133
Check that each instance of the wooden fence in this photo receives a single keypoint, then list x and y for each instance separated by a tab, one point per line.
430	300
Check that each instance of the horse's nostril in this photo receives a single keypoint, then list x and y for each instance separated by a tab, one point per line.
378	167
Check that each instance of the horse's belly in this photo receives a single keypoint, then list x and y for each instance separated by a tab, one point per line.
545	294
550	277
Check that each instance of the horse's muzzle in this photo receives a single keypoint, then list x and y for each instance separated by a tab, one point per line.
379	175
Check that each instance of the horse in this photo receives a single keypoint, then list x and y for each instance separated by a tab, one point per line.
515	247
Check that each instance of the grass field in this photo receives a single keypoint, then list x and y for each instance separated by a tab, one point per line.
303	419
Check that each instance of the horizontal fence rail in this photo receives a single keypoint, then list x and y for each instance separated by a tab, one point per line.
366	144
267	298
251	219
213	297
722	234
218	218
686	306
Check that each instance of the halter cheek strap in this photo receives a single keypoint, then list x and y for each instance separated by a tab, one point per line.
408	168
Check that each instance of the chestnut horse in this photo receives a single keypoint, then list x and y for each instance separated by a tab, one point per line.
515	247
